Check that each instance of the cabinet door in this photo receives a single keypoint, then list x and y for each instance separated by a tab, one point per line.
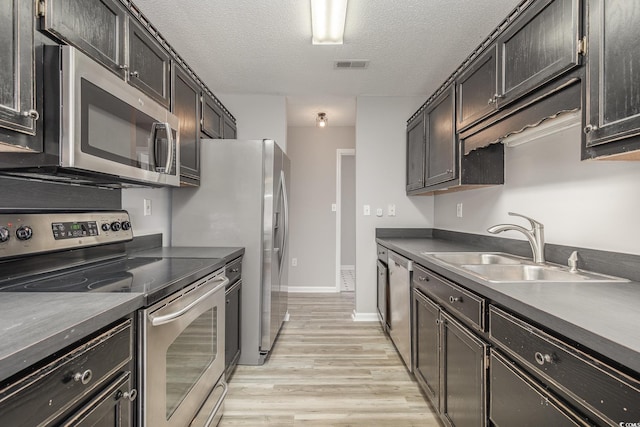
517	401
96	27
17	104
441	141
230	130
463	372
186	105
212	117
416	153
541	45
149	64
477	87
426	345
232	327
613	73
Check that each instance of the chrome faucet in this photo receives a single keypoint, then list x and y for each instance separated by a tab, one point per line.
535	235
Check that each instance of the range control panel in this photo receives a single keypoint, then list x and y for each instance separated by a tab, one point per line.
31	233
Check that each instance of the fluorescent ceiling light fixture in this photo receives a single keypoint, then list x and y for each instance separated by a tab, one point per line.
327	21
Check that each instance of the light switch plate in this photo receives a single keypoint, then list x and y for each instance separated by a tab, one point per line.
366	210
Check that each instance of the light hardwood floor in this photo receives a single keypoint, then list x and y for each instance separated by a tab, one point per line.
327	370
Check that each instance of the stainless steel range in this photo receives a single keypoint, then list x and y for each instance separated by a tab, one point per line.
181	327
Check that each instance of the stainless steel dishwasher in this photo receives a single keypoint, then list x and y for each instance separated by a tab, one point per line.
399	302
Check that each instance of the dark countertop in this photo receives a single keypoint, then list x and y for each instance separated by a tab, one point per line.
603	317
35	325
226	253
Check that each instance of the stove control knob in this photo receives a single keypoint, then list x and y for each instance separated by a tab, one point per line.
4	234
105	227
24	232
126	225
115	226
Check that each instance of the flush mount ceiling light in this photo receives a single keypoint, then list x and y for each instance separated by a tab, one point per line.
327	21
321	120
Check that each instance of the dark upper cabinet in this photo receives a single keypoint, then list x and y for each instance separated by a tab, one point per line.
540	45
476	89
149	66
212	117
230	131
441	139
97	27
17	80
185	96
612	109
416	153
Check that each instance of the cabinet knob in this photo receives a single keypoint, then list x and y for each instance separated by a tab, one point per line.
449	170
491	101
437	321
541	359
83	377
32	114
590	128
423	278
134	74
235	270
129	395
453	299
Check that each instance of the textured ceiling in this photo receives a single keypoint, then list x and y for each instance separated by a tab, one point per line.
264	47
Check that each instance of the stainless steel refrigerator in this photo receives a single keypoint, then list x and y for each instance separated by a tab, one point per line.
243	201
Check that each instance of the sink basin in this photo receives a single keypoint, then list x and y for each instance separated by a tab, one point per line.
483	258
534	273
499	267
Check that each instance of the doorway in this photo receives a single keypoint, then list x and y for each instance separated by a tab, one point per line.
345	220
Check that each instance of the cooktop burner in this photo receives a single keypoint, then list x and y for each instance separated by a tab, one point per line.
153	277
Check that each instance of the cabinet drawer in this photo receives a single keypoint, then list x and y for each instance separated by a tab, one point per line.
607	393
382	254
451	296
233	271
52	389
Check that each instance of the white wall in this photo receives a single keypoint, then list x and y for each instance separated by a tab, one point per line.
312	240
160	219
259	116
380	181
590	204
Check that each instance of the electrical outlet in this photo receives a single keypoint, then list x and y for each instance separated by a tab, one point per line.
334	207
459	210
294	262
147	207
366	211
391	210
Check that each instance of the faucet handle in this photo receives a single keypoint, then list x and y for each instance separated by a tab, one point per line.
534	224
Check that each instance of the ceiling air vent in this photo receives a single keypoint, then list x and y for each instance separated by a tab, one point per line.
353	64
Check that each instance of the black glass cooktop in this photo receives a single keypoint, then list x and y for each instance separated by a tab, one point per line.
153	277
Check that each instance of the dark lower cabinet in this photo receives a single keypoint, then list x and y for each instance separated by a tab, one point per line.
463	372
427	346
516	400
612	90
185	104
539	46
232	327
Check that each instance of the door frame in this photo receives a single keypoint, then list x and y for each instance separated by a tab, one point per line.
340	153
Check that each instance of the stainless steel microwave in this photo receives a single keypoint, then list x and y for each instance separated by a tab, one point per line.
98	129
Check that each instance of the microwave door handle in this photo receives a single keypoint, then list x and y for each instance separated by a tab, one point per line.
161	320
152	146
170	148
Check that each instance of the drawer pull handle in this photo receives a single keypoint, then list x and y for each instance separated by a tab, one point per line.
423	278
541	359
453	299
83	377
131	395
235	270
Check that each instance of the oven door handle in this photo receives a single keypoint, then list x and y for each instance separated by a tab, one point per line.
161	320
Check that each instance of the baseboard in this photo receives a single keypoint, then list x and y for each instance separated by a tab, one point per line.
364	317
312	289
348	267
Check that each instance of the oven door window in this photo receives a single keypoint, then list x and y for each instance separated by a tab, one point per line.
114	130
189	356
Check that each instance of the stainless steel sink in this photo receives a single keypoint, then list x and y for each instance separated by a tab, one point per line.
499	267
460	258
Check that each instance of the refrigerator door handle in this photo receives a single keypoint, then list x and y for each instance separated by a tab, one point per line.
283	184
